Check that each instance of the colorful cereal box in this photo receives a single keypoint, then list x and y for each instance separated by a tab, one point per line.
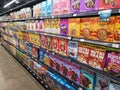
56	7
43	41
56	26
87	79
88	5
50	26
46	59
108	4
63	47
55	44
97	56
64	27
65	6
105	30
46	25
117	30
112	64
35	52
83	52
74	27
49	7
44	8
73	49
48	43
75	6
102	82
114	86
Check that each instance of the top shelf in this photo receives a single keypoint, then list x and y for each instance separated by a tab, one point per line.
81	14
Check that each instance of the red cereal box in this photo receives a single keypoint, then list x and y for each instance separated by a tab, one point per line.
107	4
97	56
55	44
63	47
117	30
43	41
83	52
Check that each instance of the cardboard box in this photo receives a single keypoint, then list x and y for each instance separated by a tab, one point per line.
49	7
75	6
55	44
56	7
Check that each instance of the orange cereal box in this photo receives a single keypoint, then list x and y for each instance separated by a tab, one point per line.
55	44
117	30
97	57
74	27
105	30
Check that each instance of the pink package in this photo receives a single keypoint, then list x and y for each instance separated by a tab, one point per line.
65	6
75	6
56	7
88	5
40	26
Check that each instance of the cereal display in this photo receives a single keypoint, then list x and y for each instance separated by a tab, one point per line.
75	6
55	44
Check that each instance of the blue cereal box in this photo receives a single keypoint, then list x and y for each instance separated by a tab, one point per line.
73	49
41	55
44	8
49	7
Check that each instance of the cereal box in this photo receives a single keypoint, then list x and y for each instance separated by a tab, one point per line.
46	59
112	64
41	55
73	49
75	6
43	41
34	52
52	61
65	6
46	25
44	8
50	26
56	7
97	57
117	30
74	27
105	30
48	43
56	26
87	79
55	44
64	27
49	7
114	85
40	26
83	52
63	47
88	5
107	4
102	82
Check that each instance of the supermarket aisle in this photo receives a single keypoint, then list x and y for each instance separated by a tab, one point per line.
13	76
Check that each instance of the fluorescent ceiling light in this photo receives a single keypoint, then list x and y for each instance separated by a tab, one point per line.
9	3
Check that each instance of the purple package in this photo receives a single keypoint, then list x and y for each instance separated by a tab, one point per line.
75	6
74	73
112	61
88	5
64	27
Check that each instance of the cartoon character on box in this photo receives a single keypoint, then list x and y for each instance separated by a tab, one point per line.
55	44
88	5
65	6
108	4
35	51
102	83
87	79
97	56
112	64
63	47
74	73
49	43
43	41
75	6
74	27
64	27
117	30
73	49
114	85
56	7
49	7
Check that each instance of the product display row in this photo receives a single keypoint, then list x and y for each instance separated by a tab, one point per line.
79	75
88	28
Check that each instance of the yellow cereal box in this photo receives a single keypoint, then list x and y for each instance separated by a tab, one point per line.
74	27
117	30
20	34
105	30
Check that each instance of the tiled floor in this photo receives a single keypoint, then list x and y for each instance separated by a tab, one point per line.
13	76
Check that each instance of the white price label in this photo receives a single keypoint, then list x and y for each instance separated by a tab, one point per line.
82	40
80	88
115	45
52	16
74	15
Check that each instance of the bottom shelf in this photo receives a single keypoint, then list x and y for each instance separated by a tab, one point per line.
30	71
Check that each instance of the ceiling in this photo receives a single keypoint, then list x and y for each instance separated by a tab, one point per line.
3	2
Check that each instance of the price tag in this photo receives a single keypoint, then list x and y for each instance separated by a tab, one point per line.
69	38
52	16
74	15
82	40
80	88
104	15
115	45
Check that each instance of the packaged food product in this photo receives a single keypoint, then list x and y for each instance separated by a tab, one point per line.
49	7
44	8
55	44
112	61
56	26
48	43
73	49
108	4
74	27
64	27
43	41
75	6
56	7
117	30
88	5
